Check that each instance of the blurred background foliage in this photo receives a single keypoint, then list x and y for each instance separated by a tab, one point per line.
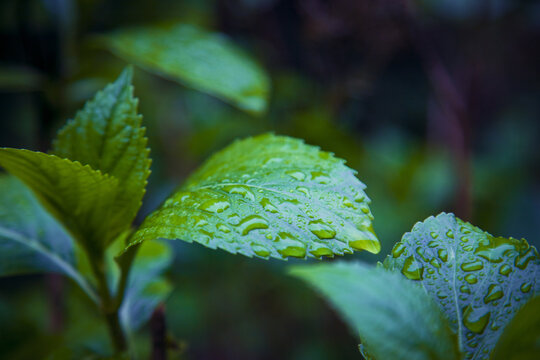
434	102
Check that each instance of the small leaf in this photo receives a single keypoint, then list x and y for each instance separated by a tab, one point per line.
107	135
146	288
81	198
30	239
269	196
202	60
520	340
394	318
479	280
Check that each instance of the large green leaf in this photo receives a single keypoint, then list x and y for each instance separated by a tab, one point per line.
394	317
205	61
520	340
30	239
81	198
107	135
268	196
479	280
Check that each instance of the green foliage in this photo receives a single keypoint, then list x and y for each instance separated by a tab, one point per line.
81	198
107	135
520	340
30	239
199	59
268	196
480	281
395	318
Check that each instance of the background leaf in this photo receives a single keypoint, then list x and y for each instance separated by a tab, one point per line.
520	340
205	61
107	135
30	239
269	196
479	280
394	318
146	288
81	198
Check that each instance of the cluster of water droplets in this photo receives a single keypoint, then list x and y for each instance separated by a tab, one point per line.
305	204
493	278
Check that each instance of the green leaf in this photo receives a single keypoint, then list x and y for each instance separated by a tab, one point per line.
30	239
107	135
394	318
479	280
146	287
268	196
202	60
80	198
520	339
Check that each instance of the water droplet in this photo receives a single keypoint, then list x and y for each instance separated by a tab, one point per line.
320	177
495	292
233	219
443	255
435	263
303	190
215	205
321	229
468	248
290	247
526	287
320	250
505	270
223	228
475	319
412	269
252	222
472	266
348	203
433	244
199	221
260	250
398	249
493	249
240	190
268	206
297	175
420	251
450	234
523	259
434	235
465	289
471	279
359	197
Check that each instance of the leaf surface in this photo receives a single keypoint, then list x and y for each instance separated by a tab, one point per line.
394	318
79	197
30	239
520	340
202	60
480	281
268	196
107	135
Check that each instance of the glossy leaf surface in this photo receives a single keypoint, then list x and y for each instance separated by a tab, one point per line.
520	340
31	240
394	317
79	197
269	196
107	135
480	281
205	61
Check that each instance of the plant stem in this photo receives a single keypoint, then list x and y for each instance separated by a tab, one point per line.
109	307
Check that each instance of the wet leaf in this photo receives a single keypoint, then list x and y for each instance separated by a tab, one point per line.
107	135
269	196
31	240
480	281
202	60
78	196
394	318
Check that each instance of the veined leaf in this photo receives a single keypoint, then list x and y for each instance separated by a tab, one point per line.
520	339
269	196
81	198
479	280
394	318
30	239
107	135
202	60
146	288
